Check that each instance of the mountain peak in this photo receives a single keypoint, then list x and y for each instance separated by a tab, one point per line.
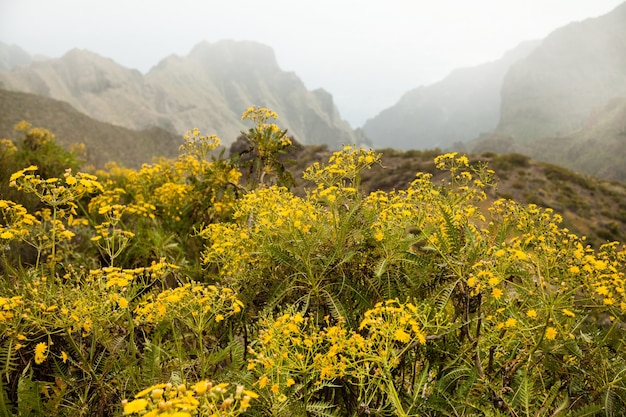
12	56
228	53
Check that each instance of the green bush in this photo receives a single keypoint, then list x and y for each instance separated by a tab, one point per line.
177	290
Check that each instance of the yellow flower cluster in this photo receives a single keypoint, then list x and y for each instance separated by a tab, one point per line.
10	308
176	191
41	350
451	162
197	145
88	303
395	212
230	247
34	137
275	209
197	304
292	348
392	320
258	115
266	139
343	168
55	192
186	400
16	222
269	213
607	270
172	199
110	205
7	147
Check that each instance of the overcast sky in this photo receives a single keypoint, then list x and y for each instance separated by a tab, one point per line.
367	53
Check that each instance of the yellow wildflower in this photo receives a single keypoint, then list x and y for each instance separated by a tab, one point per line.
510	322
402	336
551	333
263	381
135	406
40	352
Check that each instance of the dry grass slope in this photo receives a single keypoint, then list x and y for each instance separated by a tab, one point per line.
103	142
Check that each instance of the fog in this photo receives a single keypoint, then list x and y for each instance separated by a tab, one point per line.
366	53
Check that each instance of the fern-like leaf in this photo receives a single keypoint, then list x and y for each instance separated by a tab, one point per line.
588	410
8	359
523	392
321	409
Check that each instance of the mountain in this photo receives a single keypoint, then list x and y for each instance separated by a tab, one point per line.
460	107
103	142
575	71
208	89
93	85
566	102
598	148
12	56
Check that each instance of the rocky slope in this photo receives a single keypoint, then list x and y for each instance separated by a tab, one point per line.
566	102
208	89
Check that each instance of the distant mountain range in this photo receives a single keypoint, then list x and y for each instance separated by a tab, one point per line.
12	56
208	89
459	108
560	100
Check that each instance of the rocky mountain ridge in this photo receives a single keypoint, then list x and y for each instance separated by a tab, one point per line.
208	89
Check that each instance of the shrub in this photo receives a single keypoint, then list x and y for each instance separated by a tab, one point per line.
426	300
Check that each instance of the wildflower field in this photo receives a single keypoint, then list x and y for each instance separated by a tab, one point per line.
203	286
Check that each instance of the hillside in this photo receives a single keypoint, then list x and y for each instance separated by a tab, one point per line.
207	89
103	142
460	107
590	206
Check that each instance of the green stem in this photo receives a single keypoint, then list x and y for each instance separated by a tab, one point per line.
393	394
53	250
3	406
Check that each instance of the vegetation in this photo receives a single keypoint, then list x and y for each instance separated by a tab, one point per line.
183	289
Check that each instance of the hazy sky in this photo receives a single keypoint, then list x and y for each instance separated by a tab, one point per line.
366	53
